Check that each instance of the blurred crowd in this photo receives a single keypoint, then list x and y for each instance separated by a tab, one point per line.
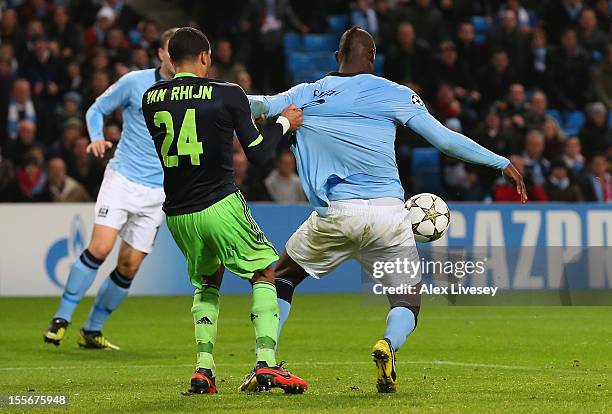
510	80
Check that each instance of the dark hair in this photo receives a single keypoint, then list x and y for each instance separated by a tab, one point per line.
187	43
355	40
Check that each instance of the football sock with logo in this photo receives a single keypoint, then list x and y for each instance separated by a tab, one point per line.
264	315
82	274
400	323
284	291
111	294
205	312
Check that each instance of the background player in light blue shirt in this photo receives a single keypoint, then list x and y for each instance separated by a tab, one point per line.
346	160
128	205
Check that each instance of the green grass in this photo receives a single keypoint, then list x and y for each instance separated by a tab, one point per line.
461	359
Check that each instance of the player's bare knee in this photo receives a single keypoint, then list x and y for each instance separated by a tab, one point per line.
128	268
100	249
265	275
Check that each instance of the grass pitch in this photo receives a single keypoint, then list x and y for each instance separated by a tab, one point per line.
460	359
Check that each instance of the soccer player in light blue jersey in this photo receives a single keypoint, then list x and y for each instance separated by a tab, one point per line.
129	205
346	162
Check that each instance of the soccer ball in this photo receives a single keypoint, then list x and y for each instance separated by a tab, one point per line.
429	215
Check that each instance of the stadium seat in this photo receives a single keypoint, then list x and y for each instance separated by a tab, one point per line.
425	170
320	42
292	42
574	122
338	23
480	24
299	61
556	115
610	118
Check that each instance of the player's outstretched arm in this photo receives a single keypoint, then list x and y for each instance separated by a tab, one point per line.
459	146
272	105
114	97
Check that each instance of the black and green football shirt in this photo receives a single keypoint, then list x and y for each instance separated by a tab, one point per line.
192	121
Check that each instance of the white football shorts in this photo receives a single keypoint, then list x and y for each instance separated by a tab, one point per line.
370	231
133	209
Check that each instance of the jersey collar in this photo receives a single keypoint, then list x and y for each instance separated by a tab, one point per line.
346	75
185	75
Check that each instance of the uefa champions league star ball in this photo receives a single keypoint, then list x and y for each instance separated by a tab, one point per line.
429	215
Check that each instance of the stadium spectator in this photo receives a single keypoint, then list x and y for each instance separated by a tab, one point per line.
559	186
11	32
74	80
43	70
427	21
30	184
590	36
447	69
283	184
602	11
497	77
386	25
536	166
71	131
572	156
510	38
63	188
70	109
538	60
150	40
95	35
504	191
560	14
226	67
569	74
406	61
596	184
602	79
99	83
554	138
446	104
250	188
125	16
243	78
514	108
140	59
7	177
24	141
469	53
117	49
536	112
365	17
493	136
85	168
522	15
268	21
21	107
596	136
68	35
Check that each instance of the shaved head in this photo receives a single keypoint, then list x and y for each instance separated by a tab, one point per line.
357	49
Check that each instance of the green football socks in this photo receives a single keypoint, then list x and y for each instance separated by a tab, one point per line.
264	315
205	312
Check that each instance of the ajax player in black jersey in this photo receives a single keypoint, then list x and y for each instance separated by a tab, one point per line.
192	120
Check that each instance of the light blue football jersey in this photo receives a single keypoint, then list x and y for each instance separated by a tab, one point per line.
135	157
345	148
